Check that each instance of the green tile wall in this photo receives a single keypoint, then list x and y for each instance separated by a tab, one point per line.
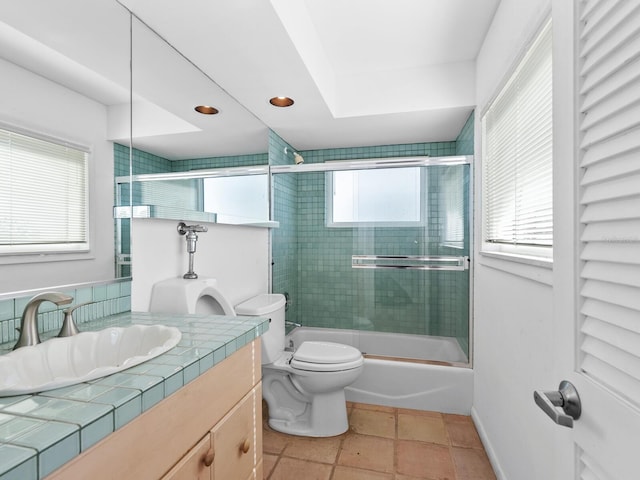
277	155
284	245
120	160
433	149
464	141
219	162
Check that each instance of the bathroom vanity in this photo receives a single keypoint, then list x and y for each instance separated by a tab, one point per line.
210	428
192	412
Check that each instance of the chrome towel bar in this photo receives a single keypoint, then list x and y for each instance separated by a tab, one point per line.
411	262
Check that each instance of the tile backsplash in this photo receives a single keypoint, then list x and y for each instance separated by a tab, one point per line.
109	298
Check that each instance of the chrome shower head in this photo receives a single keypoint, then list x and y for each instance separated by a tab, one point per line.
297	158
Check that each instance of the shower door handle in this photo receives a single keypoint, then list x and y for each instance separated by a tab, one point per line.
566	397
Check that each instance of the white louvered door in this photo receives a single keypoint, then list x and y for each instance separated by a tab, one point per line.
607	360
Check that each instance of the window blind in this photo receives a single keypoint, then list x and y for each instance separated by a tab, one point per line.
517	154
454	204
610	195
43	195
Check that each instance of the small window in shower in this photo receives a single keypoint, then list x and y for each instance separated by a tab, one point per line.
388	196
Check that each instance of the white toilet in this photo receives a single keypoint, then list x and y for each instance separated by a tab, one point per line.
303	389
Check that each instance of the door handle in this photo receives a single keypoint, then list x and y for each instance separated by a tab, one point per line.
566	397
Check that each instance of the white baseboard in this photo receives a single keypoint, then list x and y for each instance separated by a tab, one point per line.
487	445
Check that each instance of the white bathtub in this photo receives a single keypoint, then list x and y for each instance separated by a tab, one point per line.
398	383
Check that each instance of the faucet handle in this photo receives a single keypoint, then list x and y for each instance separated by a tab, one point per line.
69	326
183	228
74	307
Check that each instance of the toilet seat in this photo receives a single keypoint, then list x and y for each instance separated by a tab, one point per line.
326	357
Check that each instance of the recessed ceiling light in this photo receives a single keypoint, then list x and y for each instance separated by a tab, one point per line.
281	101
206	110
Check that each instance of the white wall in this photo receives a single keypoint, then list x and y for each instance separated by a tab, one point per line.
36	104
238	257
513	303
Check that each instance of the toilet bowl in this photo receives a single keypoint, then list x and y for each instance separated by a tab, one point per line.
304	389
306	395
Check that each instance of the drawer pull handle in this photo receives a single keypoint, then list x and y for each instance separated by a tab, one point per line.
245	446
208	458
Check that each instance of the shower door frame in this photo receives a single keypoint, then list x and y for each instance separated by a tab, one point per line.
381	163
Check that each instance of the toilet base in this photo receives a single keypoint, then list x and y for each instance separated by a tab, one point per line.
295	411
325	416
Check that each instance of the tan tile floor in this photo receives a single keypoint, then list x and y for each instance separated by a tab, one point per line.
382	443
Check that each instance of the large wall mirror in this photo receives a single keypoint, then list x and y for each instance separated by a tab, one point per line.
92	74
65	77
198	155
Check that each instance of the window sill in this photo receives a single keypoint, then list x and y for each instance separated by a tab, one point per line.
537	269
44	258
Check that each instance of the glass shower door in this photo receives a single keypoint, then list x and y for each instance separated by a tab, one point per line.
382	250
412	278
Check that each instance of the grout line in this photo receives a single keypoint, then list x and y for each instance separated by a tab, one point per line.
396	440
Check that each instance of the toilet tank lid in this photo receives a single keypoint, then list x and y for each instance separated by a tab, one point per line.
261	305
326	352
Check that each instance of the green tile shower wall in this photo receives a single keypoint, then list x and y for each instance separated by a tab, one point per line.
313	263
144	162
433	149
219	162
108	298
277	155
284	244
464	141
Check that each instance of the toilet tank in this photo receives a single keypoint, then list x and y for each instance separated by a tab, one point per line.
270	306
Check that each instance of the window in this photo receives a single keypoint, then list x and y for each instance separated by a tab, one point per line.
517	158
43	196
388	196
237	197
453	201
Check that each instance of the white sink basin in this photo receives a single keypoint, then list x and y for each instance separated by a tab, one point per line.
60	362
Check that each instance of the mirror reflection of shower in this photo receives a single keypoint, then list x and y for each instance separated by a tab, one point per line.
191	238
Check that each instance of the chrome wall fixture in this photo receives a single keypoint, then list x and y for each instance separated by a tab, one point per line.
411	262
191	238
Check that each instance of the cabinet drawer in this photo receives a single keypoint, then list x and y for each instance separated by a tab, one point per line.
195	465
237	439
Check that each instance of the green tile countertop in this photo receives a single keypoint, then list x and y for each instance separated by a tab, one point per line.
41	432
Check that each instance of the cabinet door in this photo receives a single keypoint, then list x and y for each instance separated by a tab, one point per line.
259	472
196	464
236	440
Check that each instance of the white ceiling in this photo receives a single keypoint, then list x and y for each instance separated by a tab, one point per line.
362	72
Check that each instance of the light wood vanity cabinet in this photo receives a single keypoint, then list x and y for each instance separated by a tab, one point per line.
195	465
209	429
236	443
230	451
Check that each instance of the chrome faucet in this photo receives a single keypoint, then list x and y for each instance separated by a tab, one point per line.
29	322
192	238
